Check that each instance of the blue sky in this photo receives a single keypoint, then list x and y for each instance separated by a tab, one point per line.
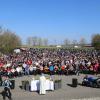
52	19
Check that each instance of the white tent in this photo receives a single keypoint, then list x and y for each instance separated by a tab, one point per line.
76	46
17	50
58	46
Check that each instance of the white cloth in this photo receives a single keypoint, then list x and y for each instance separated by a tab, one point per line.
42	85
35	85
49	85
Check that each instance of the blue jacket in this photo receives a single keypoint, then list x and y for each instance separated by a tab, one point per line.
51	68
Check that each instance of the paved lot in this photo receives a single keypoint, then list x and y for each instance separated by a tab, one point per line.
65	93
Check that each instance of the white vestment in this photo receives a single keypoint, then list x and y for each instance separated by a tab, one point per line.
42	85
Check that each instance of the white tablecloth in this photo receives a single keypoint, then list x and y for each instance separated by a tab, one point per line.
35	85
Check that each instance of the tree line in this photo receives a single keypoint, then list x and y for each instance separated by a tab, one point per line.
10	40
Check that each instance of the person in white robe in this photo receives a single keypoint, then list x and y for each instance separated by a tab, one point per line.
42	84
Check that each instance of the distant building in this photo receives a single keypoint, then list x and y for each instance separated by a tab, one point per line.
88	45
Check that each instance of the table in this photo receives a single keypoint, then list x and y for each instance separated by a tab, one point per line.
35	85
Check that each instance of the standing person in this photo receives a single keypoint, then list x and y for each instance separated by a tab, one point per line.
42	84
7	93
77	67
27	70
51	68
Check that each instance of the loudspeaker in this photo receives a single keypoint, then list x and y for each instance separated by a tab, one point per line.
12	84
24	84
27	87
74	82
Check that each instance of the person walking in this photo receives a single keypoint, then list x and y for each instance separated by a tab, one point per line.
6	92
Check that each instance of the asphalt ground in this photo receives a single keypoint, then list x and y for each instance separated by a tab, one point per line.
66	92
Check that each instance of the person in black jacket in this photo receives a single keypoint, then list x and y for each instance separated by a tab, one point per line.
6	92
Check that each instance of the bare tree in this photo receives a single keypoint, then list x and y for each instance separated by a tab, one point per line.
82	42
35	40
40	42
45	42
30	41
66	42
74	43
9	41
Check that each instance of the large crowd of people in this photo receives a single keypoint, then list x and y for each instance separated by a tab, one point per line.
51	61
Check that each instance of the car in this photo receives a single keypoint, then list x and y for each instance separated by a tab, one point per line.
91	81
